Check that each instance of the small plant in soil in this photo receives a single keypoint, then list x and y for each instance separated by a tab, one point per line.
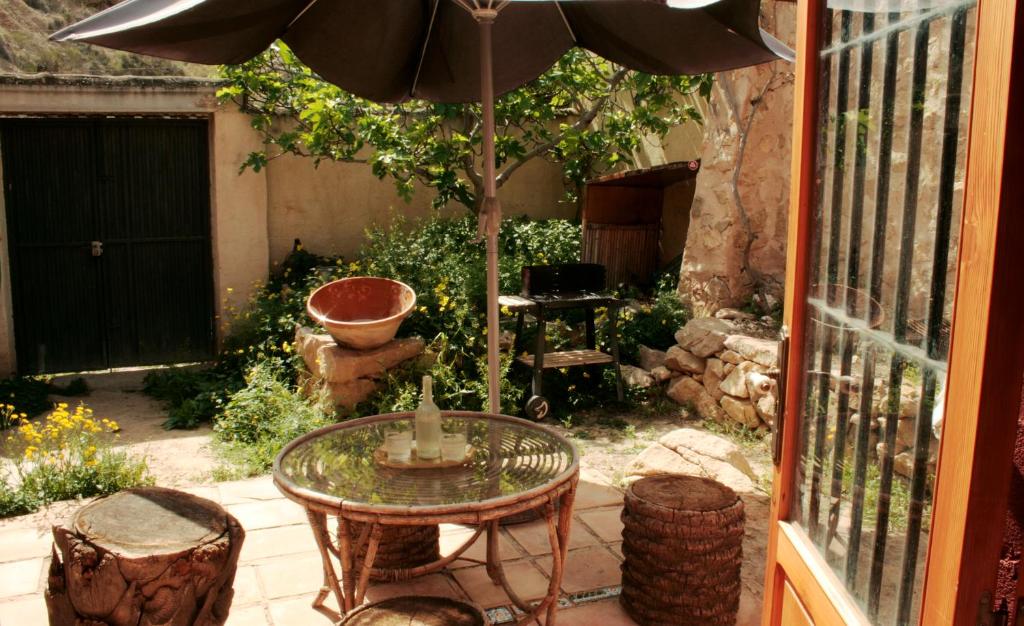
68	455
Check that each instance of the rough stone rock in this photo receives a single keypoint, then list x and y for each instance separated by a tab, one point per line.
727	368
333	364
762	351
686	441
903	464
346	394
759	385
662	373
766	408
681	360
735	384
636	377
703	336
695	453
731	357
688	392
741	411
713	375
733	314
651	358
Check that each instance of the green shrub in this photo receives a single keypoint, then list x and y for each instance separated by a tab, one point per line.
68	455
259	419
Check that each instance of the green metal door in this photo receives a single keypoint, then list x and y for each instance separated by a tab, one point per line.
108	226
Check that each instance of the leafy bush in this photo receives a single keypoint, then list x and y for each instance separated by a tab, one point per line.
263	416
442	261
69	455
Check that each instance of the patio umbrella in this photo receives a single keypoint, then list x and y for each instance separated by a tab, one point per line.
443	51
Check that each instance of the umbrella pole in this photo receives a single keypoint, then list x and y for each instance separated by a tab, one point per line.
490	209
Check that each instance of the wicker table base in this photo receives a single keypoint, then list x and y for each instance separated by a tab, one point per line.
683	547
516	467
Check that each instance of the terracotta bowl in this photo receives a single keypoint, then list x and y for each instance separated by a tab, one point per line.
361	312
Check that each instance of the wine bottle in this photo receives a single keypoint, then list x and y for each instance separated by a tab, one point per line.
428	424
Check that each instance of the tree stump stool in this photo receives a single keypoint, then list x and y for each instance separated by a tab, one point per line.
143	557
416	611
401	547
682	540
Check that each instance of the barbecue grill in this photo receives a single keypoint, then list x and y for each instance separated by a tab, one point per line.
548	289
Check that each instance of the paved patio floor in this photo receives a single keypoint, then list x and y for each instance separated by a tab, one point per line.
279	571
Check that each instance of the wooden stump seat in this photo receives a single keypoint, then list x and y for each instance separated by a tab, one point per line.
683	548
148	555
417	611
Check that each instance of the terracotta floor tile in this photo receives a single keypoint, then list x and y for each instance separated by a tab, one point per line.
432	585
617	549
291	575
605	523
603	613
25	612
249	616
526	580
452	540
267	514
20	577
271	542
595	490
247	587
238	491
533	537
18	544
587	569
209	492
299	612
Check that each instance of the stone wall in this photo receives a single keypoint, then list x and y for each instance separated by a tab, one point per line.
718	369
736	242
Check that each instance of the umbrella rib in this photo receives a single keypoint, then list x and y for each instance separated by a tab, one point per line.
565	21
423	50
301	13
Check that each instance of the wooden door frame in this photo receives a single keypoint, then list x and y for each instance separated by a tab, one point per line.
986	350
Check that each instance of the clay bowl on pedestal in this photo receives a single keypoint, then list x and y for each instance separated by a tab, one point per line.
362	312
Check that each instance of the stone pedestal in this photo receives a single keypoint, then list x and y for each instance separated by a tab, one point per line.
350	375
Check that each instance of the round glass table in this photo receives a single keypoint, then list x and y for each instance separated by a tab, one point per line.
513	466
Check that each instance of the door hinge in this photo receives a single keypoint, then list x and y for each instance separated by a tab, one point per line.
779	373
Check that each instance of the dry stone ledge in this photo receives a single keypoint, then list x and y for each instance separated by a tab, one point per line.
733	314
741	411
350	375
733	358
704	336
735	384
687	391
636	377
651	359
662	373
684	361
761	351
331	363
692	452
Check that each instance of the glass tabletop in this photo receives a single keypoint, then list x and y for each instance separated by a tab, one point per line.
508	456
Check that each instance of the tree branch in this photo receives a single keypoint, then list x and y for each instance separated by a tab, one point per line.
585	120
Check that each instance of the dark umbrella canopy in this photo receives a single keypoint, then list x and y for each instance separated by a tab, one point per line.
392	50
445	51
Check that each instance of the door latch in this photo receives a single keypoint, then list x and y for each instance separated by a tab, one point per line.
97	248
779	374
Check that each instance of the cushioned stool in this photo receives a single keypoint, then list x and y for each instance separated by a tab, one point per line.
682	540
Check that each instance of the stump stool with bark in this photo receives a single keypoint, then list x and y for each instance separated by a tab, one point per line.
144	556
682	541
416	611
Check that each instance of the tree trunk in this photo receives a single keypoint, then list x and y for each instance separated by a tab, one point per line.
144	557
